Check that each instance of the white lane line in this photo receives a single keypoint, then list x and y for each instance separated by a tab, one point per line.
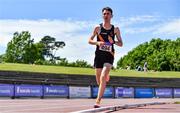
115	108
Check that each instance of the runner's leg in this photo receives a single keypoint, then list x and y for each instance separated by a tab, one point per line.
98	74
105	71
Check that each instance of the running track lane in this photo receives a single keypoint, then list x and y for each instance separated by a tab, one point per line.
57	105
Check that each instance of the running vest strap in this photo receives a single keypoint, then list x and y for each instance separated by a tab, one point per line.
106	36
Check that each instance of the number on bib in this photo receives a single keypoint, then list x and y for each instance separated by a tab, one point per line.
106	47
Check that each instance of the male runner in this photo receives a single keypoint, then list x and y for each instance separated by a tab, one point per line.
104	54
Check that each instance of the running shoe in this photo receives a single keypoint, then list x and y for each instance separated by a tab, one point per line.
96	106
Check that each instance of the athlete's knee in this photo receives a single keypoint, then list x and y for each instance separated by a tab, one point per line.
108	65
103	77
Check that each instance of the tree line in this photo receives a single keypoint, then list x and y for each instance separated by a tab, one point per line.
23	49
161	55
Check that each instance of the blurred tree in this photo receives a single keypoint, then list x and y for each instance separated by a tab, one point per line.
21	48
50	47
162	55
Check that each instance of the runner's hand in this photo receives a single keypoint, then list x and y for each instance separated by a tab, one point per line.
118	43
99	43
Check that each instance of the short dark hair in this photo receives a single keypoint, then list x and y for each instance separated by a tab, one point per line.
108	9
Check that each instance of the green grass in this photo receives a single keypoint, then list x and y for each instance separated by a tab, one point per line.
83	71
178	102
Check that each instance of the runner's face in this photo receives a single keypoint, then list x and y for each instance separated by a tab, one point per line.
107	15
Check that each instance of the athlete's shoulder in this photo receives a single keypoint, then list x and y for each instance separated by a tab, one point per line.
116	29
97	28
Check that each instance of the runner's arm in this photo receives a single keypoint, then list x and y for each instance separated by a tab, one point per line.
118	36
91	39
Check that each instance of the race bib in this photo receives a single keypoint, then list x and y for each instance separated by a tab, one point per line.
106	47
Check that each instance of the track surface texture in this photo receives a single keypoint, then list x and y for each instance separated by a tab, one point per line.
58	105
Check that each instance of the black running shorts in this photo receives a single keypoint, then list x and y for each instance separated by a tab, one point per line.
102	57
